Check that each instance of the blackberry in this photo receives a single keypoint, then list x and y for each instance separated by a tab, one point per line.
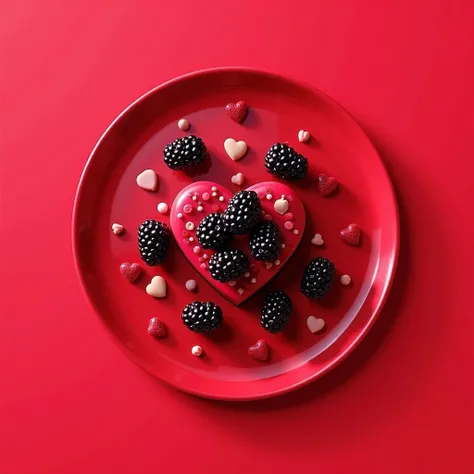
202	316
284	162
211	233
276	311
153	241
228	265
242	213
184	152
265	242
318	277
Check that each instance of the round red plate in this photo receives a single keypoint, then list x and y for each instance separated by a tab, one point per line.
279	108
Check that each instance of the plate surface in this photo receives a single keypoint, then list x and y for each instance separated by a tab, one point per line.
279	108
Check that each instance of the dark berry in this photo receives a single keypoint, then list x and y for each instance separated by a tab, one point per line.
265	241
228	265
276	311
202	316
153	241
185	152
284	162
318	277
211	233
243	212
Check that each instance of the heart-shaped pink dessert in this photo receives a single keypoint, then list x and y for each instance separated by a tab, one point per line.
201	198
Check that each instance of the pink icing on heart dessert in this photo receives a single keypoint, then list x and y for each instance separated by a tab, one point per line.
202	198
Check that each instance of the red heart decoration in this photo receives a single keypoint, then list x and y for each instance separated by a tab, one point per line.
327	185
212	197
351	234
259	351
236	111
156	328
131	272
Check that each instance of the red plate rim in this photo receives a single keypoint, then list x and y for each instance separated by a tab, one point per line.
384	291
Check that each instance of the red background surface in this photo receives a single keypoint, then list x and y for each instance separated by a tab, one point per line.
70	401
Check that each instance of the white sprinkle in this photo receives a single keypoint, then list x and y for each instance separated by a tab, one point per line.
240	291
277	262
200	208
196	351
179	216
232	283
268	265
253	280
246	274
189	225
214	194
296	232
191	285
346	280
283	246
183	124
194	198
117	229
221	198
191	239
283	196
213	188
162	207
269	197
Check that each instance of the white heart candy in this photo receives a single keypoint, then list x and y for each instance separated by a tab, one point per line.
117	229
235	150
237	179
147	180
317	239
303	135
157	287
281	206
315	324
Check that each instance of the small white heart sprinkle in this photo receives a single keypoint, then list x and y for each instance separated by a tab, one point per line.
240	291
235	150
315	324
317	239
117	229
281	206
147	180
268	265
237	179
303	136
232	283
157	287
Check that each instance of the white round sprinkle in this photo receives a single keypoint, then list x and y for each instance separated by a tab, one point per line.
200	208
346	280
196	351
189	225
283	246
221	198
269	197
194	198
214	189
296	232
283	196
162	207
191	239
277	262
214	194
183	124
191	285
246	274
253	280
179	216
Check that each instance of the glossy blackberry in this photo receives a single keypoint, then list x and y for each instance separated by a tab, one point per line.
318	277
282	161
153	241
228	265
276	311
202	316
185	152
211	233
242	213
265	241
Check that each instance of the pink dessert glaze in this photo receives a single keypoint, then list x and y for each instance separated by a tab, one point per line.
290	240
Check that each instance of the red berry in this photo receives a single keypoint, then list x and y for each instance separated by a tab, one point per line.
259	351
237	112
351	234
327	185
130	272
156	328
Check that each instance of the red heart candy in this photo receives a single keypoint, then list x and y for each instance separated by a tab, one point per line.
327	185
131	272
259	351
236	111
245	286
351	234
156	328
